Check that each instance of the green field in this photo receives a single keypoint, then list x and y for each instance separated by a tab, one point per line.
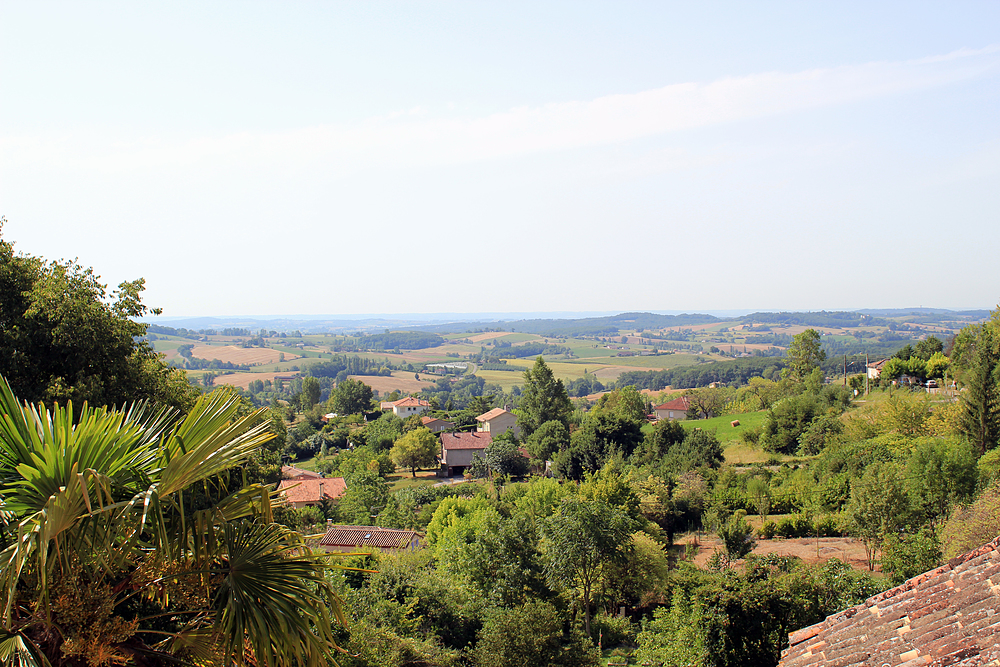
736	450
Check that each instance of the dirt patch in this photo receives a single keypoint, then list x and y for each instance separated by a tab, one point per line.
401	380
809	549
489	336
254	356
243	380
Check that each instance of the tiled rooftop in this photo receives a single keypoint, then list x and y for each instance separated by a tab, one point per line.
311	490
466	440
492	414
372	536
948	616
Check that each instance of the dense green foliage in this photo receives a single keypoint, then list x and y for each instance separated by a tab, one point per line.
64	338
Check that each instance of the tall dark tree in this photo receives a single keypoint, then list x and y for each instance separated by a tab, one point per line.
981	400
64	337
543	399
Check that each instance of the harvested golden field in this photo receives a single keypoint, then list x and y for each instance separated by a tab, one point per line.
243	380
254	356
490	335
401	380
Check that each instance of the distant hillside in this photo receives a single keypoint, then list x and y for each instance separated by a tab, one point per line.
815	319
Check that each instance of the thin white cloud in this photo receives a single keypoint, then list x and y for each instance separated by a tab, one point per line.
417	139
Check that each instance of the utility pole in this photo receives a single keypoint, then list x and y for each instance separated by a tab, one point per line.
866	373
845	370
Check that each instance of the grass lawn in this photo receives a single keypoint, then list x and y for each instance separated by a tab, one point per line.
737	452
404	480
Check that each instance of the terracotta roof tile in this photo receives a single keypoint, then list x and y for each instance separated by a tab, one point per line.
492	414
411	401
309	490
373	536
681	403
477	440
947	616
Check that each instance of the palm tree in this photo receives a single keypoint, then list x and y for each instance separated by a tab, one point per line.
122	545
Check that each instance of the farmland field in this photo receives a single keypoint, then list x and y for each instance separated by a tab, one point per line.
243	380
240	355
401	380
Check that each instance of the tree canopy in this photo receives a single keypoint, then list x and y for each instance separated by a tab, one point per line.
543	399
64	337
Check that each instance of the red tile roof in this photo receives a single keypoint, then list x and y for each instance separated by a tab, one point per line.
942	617
427	421
475	440
411	400
492	414
368	536
681	403
310	490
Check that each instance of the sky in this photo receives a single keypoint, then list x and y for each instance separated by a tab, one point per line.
269	158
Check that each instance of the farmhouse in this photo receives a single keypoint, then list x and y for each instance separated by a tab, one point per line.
498	421
301	493
675	409
457	450
407	407
875	369
436	425
947	616
351	538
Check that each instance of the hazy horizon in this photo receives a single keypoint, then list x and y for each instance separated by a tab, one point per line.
508	157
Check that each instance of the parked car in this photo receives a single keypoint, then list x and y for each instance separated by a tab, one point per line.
932	384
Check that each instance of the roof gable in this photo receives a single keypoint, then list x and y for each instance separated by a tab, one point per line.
942	617
411	401
681	403
492	414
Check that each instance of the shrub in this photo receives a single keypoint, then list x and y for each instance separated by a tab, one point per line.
768	530
826	526
796	525
616	630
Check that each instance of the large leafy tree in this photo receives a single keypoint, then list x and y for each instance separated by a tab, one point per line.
417	449
581	539
64	337
121	543
351	397
804	354
543	399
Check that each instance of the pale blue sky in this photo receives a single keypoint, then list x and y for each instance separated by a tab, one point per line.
274	158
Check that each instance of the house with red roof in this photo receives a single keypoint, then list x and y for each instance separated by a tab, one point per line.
435	425
345	539
498	421
299	493
457	450
407	407
948	616
675	409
